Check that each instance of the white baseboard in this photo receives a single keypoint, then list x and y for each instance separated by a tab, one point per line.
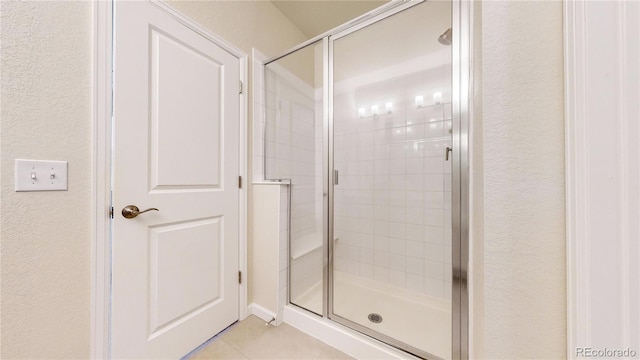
261	312
342	338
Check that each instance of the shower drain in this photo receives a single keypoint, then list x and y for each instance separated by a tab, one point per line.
375	318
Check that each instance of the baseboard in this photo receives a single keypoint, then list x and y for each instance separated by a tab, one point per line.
261	312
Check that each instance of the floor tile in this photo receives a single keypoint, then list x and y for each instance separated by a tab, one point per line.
252	339
219	349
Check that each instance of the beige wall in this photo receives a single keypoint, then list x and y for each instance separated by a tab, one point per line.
46	114
524	304
476	198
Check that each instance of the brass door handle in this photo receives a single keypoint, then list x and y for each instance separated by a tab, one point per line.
131	211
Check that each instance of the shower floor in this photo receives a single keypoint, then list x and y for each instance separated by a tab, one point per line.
421	321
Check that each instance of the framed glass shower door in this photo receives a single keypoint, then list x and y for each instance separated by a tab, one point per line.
294	153
391	122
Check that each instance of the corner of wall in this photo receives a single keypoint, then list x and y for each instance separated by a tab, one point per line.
476	196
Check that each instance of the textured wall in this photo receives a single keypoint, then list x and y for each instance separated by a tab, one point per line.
476	198
524	226
46	114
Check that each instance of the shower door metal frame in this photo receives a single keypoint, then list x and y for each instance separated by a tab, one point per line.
461	96
462	78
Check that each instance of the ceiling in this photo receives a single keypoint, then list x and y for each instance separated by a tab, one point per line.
315	17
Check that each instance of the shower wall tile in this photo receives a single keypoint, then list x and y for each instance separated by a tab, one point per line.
392	206
290	148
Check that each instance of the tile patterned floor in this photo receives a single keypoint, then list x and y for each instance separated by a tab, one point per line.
251	339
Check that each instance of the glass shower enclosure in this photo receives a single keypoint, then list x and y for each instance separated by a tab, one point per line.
362	122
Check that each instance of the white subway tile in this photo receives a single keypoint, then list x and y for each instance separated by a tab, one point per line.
397	278
415	248
434	164
381	213
434	129
382	274
397	182
397	166
434	217
381	228
435	270
434	200
414	166
414	182
415	232
397	262
434	234
398	134
416	132
415	265
367	256
382	243
397	214
415	282
415	215
397	246
434	252
367	271
381	258
353	267
367	241
434	182
397	198
434	287
398	230
415	116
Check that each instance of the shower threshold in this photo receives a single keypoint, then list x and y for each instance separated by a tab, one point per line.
419	320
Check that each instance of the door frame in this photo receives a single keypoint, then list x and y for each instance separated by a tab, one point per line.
462	13
102	88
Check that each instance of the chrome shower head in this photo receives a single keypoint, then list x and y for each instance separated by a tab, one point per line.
445	38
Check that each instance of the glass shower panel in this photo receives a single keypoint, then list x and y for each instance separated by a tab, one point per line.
294	152
391	273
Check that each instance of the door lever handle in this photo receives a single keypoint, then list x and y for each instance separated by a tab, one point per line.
447	150
131	211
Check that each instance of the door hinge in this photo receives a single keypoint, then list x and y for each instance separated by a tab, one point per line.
241	88
239	182
111	212
239	277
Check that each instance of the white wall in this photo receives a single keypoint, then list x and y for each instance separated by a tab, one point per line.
46	114
524	304
603	175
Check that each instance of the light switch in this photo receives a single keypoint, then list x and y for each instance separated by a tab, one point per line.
40	175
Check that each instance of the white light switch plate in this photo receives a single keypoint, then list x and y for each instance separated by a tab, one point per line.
41	175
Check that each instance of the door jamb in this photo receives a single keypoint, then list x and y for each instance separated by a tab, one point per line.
102	90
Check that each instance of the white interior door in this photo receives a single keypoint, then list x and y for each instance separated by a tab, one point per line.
175	271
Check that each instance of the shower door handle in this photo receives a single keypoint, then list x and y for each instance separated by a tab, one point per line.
447	150
335	177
